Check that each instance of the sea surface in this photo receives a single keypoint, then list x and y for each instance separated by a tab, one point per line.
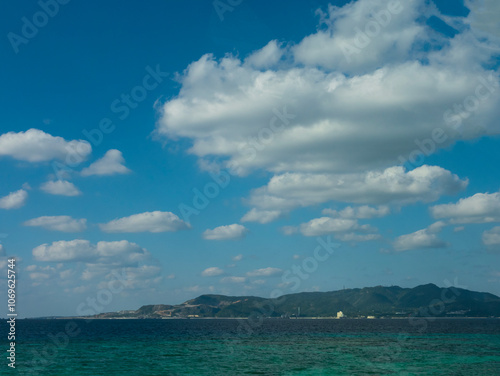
256	347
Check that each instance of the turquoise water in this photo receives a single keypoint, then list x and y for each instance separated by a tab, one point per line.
270	347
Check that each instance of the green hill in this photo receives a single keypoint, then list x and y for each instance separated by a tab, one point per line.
379	301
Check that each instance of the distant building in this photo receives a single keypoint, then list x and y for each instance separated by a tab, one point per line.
340	314
370	317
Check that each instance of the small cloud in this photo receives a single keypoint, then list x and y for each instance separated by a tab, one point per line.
39	276
289	230
60	187
266	57
156	221
265	272
296	257
353	237
360	212
14	200
234	231
492	237
111	164
35	145
212	272
328	225
425	238
480	208
261	216
115	252
237	258
459	229
65	274
171	276
62	223
233	280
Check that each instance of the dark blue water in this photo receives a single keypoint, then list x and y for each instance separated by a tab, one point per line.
269	347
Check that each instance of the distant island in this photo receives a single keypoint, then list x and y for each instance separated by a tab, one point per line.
370	302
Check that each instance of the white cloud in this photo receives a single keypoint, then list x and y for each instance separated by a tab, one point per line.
234	231
360	212
380	114
348	41
392	185
60	187
137	277
111	164
492	237
261	216
58	223
94	270
116	252
264	272
289	230
340	226
480	208
14	200
156	221
266	57
65	274
426	238
212	272
353	237
327	225
195	288
39	276
130	277
417	240
352	120
74	250
233	280
35	145
237	258
223	105
483	20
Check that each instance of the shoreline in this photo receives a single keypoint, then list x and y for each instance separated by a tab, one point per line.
267	318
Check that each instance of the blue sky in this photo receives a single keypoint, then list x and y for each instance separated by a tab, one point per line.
371	126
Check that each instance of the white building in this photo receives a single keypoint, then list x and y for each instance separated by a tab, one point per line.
340	314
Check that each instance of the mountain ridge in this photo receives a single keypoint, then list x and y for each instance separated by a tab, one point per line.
378	301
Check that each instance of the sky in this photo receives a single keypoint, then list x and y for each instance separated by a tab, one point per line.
153	152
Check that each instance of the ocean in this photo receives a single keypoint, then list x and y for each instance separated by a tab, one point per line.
469	347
